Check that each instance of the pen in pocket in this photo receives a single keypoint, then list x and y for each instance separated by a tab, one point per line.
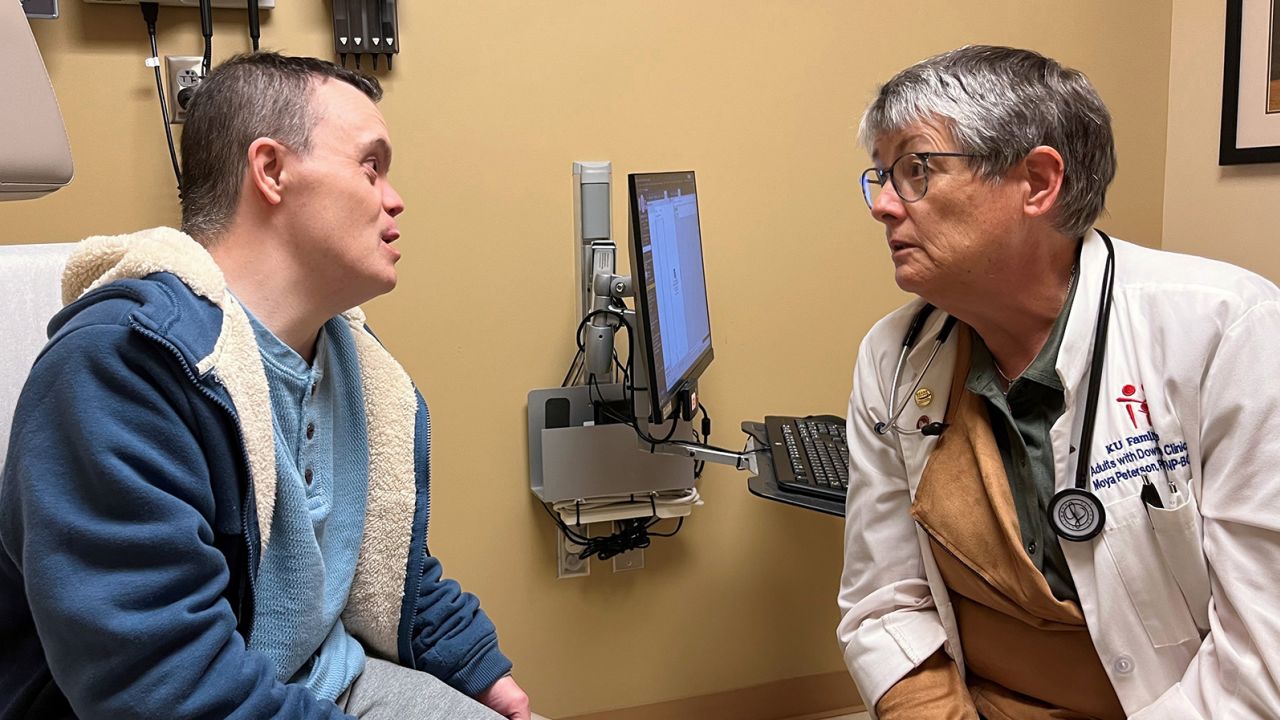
1150	495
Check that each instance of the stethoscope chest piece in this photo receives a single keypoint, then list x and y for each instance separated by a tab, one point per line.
1076	514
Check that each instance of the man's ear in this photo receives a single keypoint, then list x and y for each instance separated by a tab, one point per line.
267	159
1045	172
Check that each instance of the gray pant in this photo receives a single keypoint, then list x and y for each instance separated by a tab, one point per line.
385	691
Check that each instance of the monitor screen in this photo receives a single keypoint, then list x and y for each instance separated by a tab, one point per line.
667	264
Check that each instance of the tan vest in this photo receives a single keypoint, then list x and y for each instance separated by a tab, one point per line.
1028	655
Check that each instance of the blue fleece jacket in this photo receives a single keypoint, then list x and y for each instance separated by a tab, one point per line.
132	517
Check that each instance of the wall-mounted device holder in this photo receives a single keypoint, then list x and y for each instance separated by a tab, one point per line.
238	4
41	9
601	450
578	451
365	27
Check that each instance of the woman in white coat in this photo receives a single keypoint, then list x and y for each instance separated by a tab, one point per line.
1065	481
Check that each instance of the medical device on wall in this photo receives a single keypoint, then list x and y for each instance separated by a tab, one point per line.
365	27
238	4
35	155
615	442
582	436
41	9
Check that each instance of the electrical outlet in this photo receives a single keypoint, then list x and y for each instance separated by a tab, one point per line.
185	75
568	564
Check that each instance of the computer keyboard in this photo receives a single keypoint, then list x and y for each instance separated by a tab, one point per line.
810	454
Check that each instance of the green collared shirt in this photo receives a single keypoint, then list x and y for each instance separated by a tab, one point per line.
1021	421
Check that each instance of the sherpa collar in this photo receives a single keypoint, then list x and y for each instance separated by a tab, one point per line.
391	405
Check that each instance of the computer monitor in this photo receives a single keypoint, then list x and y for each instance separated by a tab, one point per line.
675	325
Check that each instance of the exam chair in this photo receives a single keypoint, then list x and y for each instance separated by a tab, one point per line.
30	291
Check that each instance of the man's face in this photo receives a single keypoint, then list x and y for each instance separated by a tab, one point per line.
341	205
942	242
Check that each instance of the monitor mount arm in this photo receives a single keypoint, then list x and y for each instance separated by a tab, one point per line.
736	460
607	291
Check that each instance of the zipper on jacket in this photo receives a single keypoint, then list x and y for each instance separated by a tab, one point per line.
426	521
244	457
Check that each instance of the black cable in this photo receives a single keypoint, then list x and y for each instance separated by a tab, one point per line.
631	421
255	30
704	439
763	444
151	11
679	524
572	367
577	538
206	29
632	534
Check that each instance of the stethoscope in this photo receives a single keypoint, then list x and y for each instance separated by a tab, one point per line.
1074	513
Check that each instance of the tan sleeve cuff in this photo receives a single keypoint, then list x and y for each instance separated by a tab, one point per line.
932	690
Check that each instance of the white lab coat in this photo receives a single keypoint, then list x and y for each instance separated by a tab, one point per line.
1199	341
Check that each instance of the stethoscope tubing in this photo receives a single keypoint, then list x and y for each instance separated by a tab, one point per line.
1095	364
1095	372
917	323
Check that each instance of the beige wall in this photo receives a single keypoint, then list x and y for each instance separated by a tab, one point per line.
489	105
1226	213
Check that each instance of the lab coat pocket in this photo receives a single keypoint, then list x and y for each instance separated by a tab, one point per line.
1147	579
1178	536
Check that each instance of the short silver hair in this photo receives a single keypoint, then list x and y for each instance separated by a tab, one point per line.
999	103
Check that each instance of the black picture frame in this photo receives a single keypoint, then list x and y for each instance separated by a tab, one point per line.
1229	151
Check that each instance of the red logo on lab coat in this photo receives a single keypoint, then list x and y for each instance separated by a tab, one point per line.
1134	398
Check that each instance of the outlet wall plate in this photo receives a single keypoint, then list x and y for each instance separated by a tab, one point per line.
568	564
629	560
183	73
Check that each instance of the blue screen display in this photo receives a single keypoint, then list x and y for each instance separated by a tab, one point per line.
666	207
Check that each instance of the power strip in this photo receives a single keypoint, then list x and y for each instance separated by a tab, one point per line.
238	4
623	512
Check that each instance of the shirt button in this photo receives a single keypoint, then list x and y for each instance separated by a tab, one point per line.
306	475
313	389
1031	547
1123	665
311	430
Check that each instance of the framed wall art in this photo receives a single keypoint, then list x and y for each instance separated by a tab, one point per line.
1251	83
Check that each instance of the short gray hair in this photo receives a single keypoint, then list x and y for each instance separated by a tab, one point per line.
248	97
999	103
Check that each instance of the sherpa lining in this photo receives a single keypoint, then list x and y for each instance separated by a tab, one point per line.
235	359
373	607
391	406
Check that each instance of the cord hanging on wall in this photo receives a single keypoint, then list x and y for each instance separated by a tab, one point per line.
365	27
